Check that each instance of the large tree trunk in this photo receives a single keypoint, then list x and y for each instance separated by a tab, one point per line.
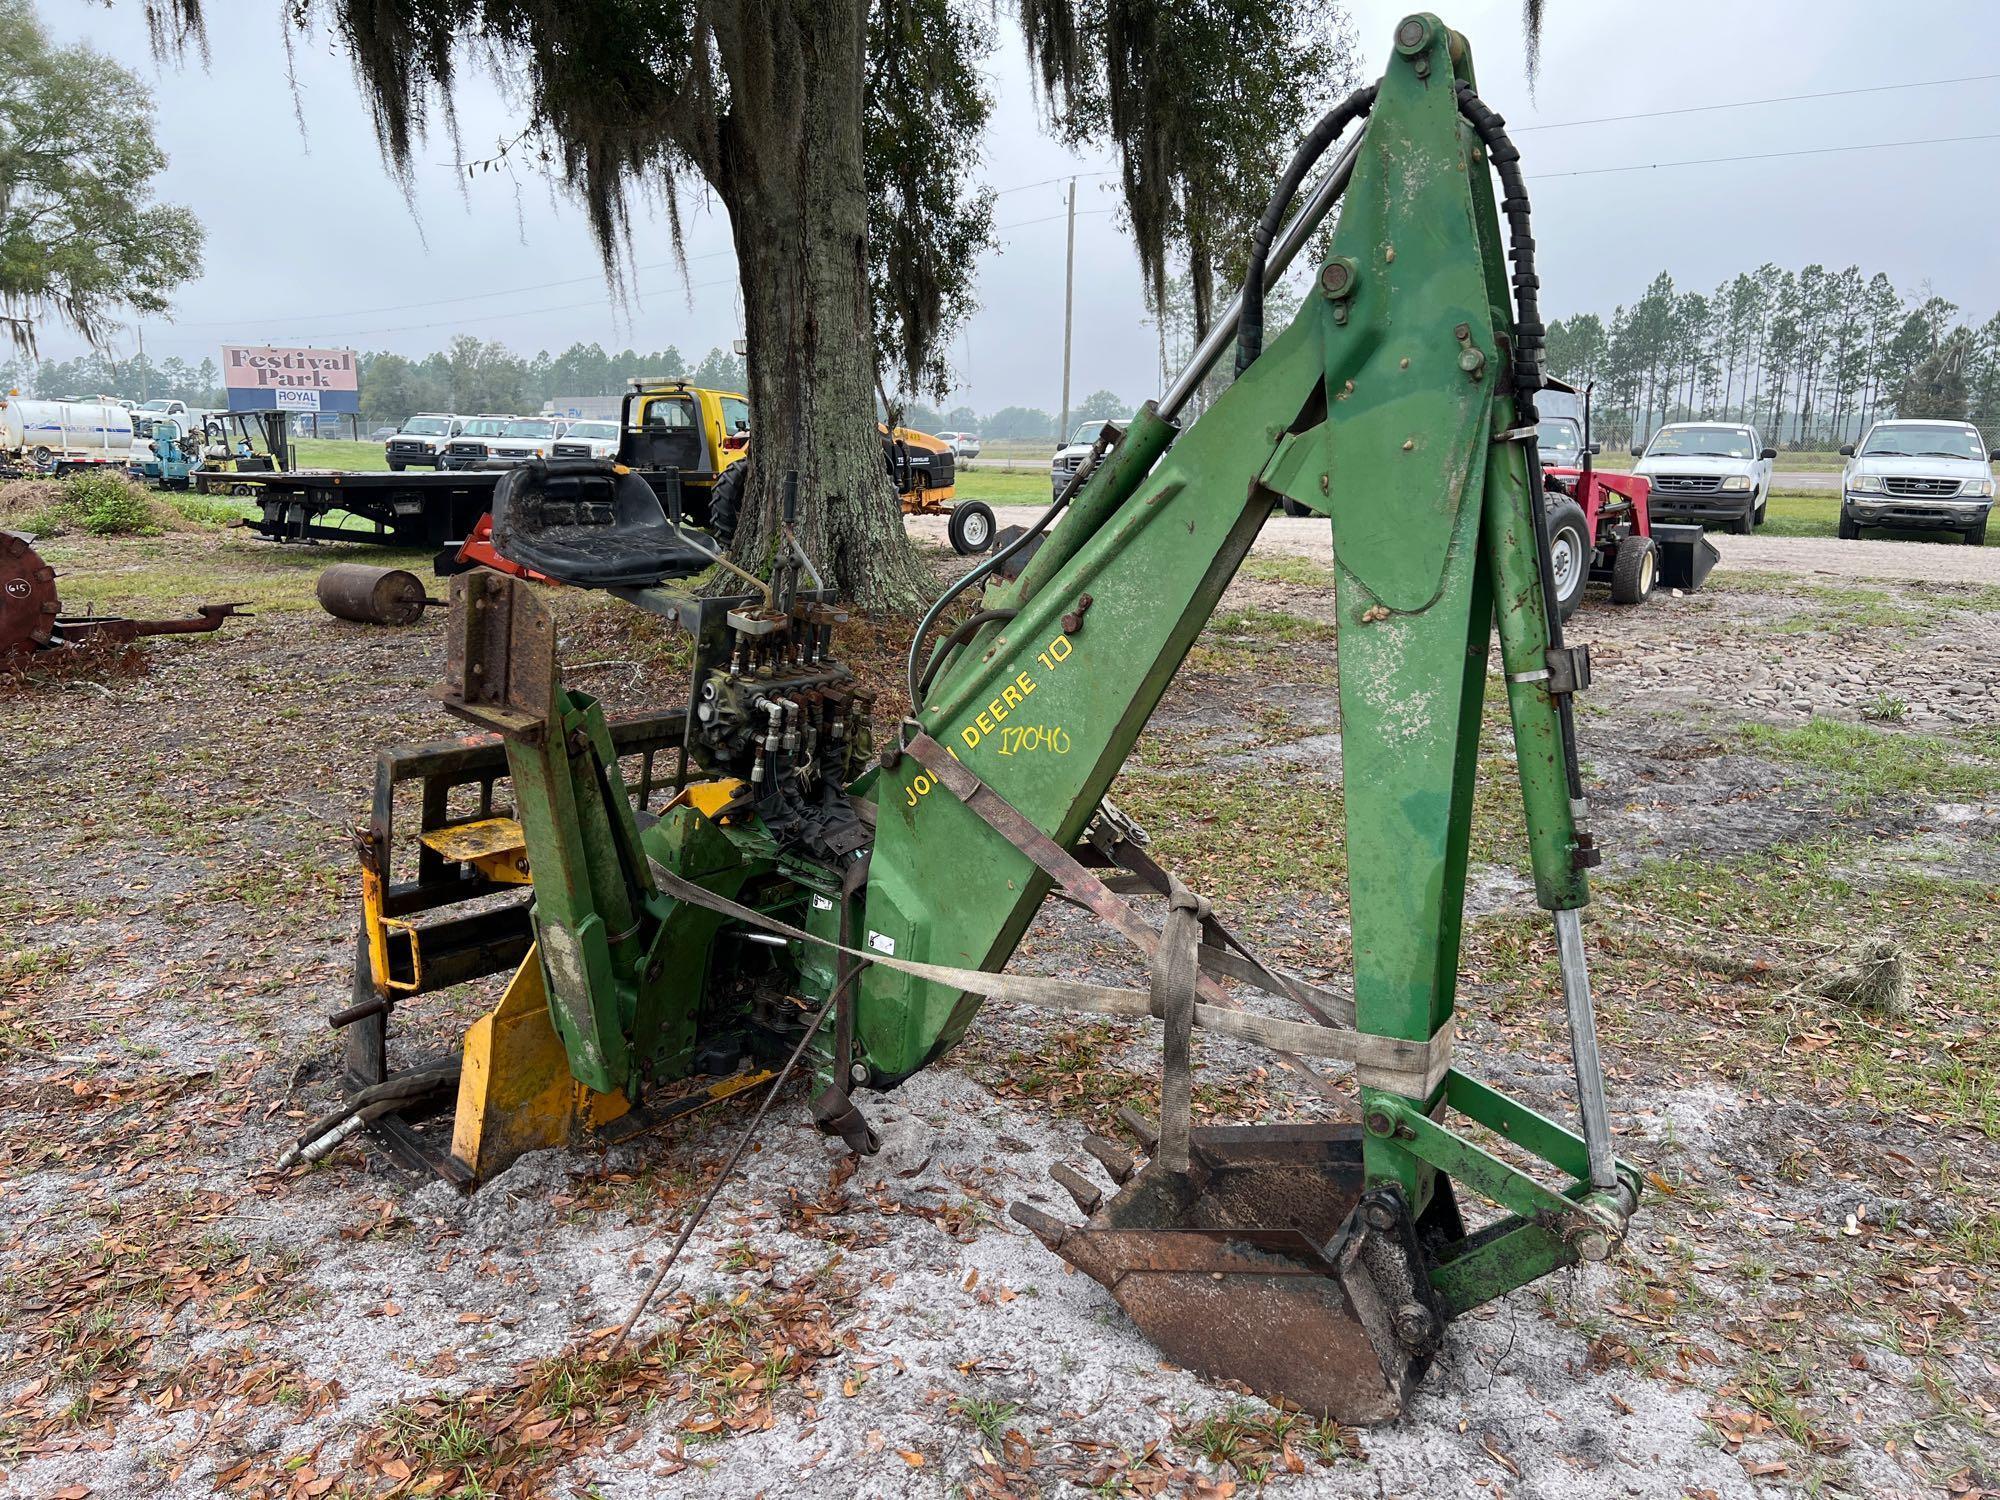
790	174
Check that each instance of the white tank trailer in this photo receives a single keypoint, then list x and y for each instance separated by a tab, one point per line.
47	433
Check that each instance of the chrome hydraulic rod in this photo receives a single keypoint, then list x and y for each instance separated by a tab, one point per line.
1222	332
1583	1050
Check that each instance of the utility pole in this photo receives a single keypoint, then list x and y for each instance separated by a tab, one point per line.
144	393
1069	310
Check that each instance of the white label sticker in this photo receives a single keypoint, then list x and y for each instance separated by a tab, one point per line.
882	943
821	903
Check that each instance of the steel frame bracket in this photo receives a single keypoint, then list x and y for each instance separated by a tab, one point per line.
1577	1222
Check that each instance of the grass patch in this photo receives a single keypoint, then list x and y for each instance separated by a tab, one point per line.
1270	625
1257	1442
1301	572
1733	943
1266	830
1817	513
1004	486
1866	765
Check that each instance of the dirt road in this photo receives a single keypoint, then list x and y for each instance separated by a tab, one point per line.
1908	562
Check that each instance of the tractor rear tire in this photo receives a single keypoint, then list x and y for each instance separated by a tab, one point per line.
725	501
1569	554
971	527
1634	570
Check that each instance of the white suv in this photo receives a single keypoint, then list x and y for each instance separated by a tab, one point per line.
420	441
1919	476
1708	471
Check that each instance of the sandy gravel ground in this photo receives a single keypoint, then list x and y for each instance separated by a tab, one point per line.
1806	1305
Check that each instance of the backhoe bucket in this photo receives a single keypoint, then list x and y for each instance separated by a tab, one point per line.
1266	1263
1685	555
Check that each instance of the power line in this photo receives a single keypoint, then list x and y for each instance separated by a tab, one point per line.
1696	109
1706	161
1081	213
1022	187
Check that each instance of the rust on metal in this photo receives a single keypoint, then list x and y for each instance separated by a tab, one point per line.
31	616
28	606
373	596
1259	1265
500	653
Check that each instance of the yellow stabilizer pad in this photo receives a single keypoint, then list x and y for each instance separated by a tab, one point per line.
707	797
495	847
515	1092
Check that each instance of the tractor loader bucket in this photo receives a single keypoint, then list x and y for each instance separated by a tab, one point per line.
1266	1263
1685	555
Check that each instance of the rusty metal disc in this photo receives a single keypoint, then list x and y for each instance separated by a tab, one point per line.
28	605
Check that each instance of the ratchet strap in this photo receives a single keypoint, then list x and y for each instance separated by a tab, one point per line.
1183	989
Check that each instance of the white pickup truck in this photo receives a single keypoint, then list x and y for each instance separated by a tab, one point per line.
1708	471
1914	475
419	443
588	439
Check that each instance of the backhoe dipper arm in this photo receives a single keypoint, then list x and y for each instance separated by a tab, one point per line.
1389	405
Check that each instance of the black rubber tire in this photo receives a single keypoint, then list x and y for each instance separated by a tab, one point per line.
725	501
1292	507
1744	524
1634	570
394	467
1975	536
972	527
1848	531
1760	510
1569	553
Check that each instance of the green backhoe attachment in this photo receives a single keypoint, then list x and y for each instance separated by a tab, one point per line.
797	870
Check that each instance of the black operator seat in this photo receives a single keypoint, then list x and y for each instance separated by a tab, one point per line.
590	523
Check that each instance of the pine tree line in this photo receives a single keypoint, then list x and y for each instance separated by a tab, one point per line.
1809	357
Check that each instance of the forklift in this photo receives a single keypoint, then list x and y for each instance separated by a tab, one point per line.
239	443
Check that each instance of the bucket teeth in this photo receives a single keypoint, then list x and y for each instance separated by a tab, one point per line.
1111	1156
1048	1229
1144	1128
1078	1186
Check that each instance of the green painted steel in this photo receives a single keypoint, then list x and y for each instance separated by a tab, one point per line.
1382	407
1496	1266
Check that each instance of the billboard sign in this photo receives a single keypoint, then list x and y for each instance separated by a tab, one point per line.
261	377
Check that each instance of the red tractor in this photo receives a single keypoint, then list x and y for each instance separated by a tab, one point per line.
1599	526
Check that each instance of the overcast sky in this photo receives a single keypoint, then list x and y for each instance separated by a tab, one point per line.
309	240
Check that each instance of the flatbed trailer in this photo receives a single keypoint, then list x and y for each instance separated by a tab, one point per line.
395	509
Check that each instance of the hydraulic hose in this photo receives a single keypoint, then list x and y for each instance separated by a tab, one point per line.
1528	341
960	634
1250	326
